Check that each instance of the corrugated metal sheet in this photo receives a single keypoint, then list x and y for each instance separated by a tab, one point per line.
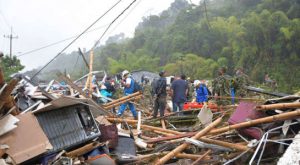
68	126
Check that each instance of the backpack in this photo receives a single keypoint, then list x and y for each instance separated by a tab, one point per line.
158	87
136	87
208	91
154	85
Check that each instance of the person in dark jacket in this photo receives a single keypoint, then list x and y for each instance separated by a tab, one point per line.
160	95
179	90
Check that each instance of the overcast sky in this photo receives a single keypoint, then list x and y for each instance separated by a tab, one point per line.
38	23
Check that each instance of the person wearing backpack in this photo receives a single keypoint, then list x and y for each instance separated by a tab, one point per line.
129	88
201	91
160	95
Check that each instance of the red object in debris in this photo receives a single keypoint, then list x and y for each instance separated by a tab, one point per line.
194	105
246	112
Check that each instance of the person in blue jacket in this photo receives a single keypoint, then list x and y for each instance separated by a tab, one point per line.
128	84
201	91
104	92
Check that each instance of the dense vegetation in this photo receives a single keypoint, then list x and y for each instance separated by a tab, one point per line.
261	36
10	66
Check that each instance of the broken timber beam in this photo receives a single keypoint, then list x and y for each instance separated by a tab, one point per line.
183	146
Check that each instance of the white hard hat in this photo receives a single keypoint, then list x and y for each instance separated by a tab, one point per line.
124	73
196	82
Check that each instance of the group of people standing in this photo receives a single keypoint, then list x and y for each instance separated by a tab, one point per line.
178	91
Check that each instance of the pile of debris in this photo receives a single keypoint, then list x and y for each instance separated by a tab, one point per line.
42	127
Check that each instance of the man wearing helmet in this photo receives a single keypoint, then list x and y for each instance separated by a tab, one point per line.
201	91
128	84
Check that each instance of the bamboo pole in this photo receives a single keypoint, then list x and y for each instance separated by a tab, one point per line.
237	98
183	146
123	101
123	98
197	161
162	133
224	144
278	106
119	120
176	136
180	155
189	156
279	117
160	129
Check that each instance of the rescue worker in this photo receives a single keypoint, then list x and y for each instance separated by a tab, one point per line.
201	91
128	84
179	90
241	80
160	95
223	85
105	93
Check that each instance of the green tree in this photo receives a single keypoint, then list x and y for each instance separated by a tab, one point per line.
10	66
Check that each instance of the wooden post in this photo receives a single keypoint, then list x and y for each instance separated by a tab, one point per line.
183	146
88	83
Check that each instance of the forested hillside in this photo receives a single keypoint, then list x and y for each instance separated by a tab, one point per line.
261	36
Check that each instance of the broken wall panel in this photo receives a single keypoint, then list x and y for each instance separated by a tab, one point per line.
68	126
27	140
